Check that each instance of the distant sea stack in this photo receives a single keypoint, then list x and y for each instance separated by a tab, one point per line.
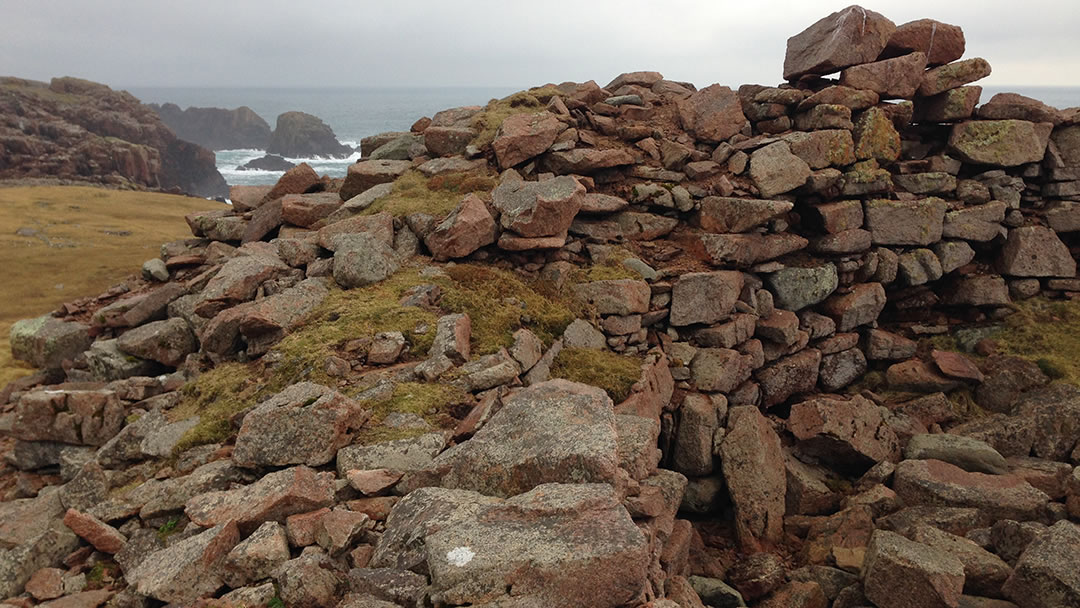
301	135
217	128
81	130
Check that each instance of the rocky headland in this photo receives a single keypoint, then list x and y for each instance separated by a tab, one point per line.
634	345
78	130
216	128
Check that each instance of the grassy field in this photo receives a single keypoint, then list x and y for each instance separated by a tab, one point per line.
59	243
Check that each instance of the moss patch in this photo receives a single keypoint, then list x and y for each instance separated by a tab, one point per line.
499	303
610	268
614	373
413	192
488	121
1047	333
435	403
215	397
350	314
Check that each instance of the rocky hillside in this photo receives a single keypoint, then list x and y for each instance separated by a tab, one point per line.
80	130
633	345
216	128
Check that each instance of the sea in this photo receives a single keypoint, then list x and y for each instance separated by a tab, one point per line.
355	113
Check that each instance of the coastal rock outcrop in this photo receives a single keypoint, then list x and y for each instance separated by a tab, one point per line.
301	135
216	128
84	131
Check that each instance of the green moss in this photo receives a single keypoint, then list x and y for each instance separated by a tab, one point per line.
435	403
168	528
614	373
499	303
609	268
215	397
488	121
415	193
103	574
351	314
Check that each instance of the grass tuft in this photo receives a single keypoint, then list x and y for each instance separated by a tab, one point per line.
614	373
215	397
413	192
499	303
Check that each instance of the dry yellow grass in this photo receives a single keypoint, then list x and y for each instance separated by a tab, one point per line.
86	240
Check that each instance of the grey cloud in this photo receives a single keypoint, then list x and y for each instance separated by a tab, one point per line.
483	42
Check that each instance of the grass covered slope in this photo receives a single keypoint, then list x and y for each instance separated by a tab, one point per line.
59	243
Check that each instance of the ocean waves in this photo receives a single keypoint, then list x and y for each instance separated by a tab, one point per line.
229	160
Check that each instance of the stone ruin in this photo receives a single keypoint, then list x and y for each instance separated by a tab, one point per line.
778	244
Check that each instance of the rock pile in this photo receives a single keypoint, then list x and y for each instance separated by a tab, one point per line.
752	254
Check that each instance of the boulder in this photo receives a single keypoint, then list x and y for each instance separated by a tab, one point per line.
552	432
77	417
584	161
899	573
950	76
704	297
551	546
933	482
845	38
525	136
851	434
1047	575
951	106
724	214
720	369
712	114
1004	106
538	209
362	260
967	453
615	296
237	281
876	137
186	570
306	423
273	498
167	342
753	466
791	375
941	42
1035	251
896	78
366	174
861	305
984	572
411	454
1001	143
796	287
45	342
776	170
468	228
448	140
301	135
256	557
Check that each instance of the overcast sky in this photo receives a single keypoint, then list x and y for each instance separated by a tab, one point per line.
485	42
